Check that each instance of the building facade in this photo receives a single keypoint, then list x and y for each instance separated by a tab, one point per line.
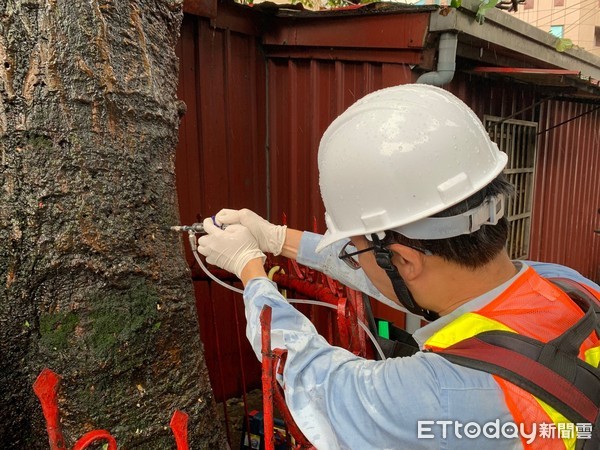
578	20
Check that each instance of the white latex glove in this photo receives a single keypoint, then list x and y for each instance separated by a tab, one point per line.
230	249
270	237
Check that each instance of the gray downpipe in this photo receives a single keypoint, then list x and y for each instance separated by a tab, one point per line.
446	62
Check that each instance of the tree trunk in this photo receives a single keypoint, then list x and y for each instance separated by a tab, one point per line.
93	284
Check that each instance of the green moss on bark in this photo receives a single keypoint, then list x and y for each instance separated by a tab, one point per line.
118	320
57	328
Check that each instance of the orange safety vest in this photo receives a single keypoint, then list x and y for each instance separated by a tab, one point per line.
533	307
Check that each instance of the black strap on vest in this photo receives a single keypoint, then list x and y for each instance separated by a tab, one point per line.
401	343
383	256
550	371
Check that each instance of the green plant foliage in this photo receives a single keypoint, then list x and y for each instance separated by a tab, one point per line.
563	44
484	7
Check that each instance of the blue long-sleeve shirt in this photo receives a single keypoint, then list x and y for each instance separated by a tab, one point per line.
341	401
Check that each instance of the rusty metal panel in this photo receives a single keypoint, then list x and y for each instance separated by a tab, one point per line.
221	162
370	31
220	157
566	207
204	8
374	55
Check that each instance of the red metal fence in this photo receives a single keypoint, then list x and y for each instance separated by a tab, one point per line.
46	389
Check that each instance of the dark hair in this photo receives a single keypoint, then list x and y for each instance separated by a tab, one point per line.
469	250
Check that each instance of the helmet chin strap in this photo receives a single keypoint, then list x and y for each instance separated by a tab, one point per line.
383	256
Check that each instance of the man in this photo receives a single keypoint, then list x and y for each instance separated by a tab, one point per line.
414	201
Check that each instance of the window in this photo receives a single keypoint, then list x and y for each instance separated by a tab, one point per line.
557	30
517	138
597	36
528	4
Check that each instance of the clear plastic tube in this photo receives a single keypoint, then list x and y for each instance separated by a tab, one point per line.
362	325
192	239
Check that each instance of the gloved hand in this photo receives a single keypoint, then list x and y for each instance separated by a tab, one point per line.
230	249
270	237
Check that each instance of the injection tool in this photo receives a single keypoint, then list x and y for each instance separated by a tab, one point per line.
198	228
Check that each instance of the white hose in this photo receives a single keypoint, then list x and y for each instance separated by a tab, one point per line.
362	325
192	239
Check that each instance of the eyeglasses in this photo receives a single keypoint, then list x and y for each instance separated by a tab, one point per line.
349	258
352	262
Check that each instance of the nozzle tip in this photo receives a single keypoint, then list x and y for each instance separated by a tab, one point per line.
196	228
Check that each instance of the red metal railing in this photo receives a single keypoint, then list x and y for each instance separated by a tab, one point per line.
349	310
46	389
273	361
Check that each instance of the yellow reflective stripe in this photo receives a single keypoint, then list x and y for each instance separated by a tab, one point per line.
592	356
559	418
464	327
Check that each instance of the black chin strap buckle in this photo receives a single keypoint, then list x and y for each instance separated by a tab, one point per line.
384	259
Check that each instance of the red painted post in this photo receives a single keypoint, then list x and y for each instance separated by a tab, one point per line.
93	436
342	323
267	377
359	307
46	388
279	400
179	423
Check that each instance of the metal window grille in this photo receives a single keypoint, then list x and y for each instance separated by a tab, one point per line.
517	138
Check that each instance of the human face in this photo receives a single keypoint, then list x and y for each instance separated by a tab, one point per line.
364	257
349	254
365	260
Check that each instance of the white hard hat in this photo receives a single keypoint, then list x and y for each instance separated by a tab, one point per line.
402	154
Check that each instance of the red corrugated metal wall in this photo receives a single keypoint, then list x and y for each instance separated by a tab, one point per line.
304	97
254	120
221	162
567	201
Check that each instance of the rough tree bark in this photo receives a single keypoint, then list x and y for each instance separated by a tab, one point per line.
93	285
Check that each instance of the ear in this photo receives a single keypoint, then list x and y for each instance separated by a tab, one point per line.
408	261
